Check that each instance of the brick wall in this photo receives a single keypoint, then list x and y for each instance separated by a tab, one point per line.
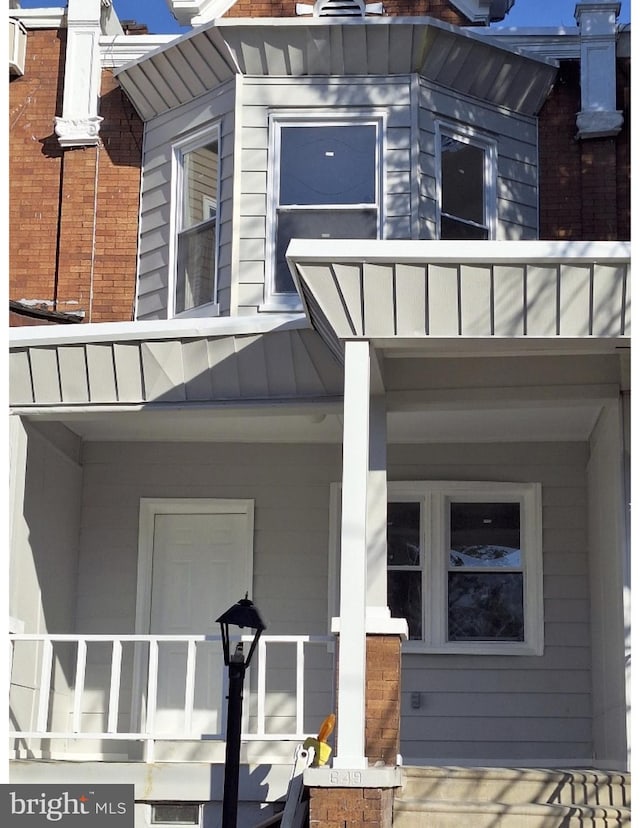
350	807
440	9
382	725
584	183
73	212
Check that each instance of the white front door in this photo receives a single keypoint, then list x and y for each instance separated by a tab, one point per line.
201	563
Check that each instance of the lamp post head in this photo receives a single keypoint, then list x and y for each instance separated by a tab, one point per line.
243	613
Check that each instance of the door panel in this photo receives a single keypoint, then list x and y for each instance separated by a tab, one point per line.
199	569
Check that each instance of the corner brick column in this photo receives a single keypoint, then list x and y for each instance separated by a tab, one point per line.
342	798
382	704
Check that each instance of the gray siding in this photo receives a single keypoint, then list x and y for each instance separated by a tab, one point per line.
517	174
155	216
500	708
472	707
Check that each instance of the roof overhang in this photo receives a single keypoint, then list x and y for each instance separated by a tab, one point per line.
415	295
459	59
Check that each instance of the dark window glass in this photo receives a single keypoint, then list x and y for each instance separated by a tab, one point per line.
175	814
404	595
486	606
403	534
328	164
462	180
485	535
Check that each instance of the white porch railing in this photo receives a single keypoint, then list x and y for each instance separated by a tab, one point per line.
51	674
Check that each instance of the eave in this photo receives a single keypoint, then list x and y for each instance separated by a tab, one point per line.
418	294
320	47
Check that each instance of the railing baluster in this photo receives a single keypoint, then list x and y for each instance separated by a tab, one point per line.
299	687
114	690
45	686
262	685
190	686
152	687
78	690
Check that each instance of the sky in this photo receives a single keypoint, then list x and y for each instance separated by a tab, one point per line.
159	20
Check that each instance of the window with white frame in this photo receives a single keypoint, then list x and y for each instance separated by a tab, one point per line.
197	162
325	184
464	566
467	184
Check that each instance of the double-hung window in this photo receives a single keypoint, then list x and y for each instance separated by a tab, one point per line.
467	185
325	185
464	566
197	163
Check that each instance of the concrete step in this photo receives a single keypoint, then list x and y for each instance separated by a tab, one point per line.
446	814
514	786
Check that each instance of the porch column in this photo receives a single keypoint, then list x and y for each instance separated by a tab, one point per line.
377	511
353	558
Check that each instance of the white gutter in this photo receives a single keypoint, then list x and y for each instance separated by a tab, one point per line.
31	336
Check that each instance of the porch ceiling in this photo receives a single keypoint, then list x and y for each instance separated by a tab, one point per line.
457	58
561	421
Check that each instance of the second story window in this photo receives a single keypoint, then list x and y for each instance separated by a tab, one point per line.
197	221
467	186
326	186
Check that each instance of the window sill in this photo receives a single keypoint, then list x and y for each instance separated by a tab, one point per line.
483	648
282	304
209	310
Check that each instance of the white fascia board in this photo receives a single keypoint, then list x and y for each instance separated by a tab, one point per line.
32	336
440	252
117	50
40	18
477	11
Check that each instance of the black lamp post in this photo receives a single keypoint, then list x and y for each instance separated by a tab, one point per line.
243	614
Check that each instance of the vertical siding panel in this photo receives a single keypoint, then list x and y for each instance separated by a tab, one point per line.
347	320
20	377
252	366
197	376
126	357
575	300
475	300
379	300
542	297
508	300
608	292
101	373
224	374
45	374
281	377
73	374
411	299
443	300
163	371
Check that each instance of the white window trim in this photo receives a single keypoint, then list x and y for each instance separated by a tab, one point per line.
468	135
178	149
433	497
279	302
151	805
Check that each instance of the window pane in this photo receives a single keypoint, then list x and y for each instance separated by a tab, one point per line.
318	224
452	229
200	182
485	535
403	534
486	606
196	266
328	164
462	180
404	596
